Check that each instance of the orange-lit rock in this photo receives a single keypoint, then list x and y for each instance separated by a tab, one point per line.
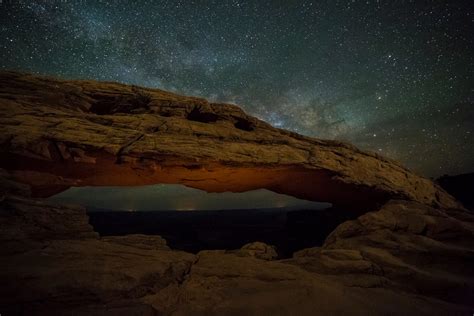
413	256
57	134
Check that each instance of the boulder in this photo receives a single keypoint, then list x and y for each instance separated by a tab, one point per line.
52	262
149	242
404	245
258	250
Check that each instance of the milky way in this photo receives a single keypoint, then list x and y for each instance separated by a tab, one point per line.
395	77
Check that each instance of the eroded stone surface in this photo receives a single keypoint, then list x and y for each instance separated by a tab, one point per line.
258	250
51	261
406	258
139	241
26	222
405	245
227	284
62	133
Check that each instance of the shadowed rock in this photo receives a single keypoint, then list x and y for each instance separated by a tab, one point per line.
258	250
404	245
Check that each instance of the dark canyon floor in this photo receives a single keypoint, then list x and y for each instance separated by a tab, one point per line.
192	231
404	246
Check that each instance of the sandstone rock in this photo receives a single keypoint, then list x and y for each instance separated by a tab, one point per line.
227	284
52	262
258	250
404	245
24	220
87	274
412	256
91	276
102	133
139	241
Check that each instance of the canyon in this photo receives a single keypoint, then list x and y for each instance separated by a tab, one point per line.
410	249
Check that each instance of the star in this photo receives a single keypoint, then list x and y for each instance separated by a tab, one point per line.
331	69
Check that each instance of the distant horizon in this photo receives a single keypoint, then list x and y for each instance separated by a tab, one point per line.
167	197
92	209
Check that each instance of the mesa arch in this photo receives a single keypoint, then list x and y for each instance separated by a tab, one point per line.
56	134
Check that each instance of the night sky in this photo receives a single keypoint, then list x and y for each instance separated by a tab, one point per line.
394	77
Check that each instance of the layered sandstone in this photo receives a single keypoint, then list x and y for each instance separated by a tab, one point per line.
405	259
55	134
409	256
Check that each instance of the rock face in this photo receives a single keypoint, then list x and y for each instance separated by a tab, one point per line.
26	220
460	186
406	258
57	134
139	241
404	245
258	250
410	256
52	262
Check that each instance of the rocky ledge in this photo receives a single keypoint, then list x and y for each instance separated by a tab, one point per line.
407	258
411	251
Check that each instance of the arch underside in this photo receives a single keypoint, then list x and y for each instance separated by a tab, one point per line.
57	134
48	178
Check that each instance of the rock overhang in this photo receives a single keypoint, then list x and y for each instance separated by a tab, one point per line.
406	254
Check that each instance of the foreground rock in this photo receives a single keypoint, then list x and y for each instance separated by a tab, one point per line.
51	262
28	223
258	250
226	284
406	246
407	258
139	241
56	134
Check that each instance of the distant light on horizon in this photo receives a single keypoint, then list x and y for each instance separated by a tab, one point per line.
177	197
186	209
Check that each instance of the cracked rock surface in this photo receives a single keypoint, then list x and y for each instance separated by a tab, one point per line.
406	258
410	252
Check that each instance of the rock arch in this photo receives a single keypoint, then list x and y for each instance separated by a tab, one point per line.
57	134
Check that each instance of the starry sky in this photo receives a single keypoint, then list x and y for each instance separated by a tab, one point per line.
395	77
